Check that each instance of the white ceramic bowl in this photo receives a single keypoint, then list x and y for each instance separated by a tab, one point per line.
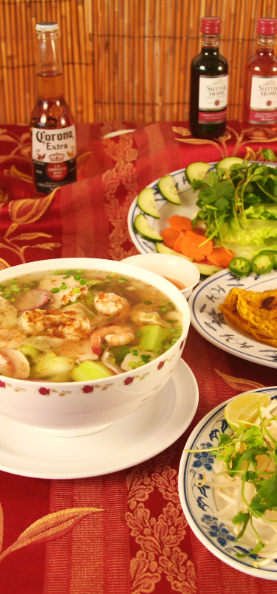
198	502
170	267
76	408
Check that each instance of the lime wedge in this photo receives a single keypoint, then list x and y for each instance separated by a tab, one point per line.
244	408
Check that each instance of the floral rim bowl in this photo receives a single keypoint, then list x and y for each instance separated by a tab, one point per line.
77	408
198	502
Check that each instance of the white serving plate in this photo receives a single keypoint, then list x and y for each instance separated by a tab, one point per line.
27	451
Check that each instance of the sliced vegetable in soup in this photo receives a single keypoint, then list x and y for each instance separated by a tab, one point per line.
81	325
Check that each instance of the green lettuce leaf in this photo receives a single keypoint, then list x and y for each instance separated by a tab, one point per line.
258	232
262	211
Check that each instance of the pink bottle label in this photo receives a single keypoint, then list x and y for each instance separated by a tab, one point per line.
263	117
263	100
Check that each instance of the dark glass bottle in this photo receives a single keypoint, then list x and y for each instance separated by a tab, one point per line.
208	84
260	92
52	123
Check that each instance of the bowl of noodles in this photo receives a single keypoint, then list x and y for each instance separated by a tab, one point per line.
85	342
227	486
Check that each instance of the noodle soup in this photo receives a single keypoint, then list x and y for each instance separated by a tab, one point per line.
74	325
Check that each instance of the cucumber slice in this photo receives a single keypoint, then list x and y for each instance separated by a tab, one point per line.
225	164
163	249
207	269
146	203
168	189
141	226
196	170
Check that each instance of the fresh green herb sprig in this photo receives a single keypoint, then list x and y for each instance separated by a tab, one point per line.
224	196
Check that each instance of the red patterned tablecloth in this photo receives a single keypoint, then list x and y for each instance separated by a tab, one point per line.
52	541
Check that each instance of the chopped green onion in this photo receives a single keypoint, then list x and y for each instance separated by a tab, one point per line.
55	290
148	302
76	290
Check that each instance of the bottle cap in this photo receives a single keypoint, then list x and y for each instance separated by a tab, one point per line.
266	26
47	27
210	25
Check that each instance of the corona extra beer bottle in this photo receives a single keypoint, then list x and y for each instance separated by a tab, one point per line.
52	123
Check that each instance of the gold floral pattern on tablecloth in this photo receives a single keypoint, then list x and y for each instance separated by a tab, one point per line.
241	140
123	173
159	538
26	212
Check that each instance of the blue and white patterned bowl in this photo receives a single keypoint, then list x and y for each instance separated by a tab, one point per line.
198	503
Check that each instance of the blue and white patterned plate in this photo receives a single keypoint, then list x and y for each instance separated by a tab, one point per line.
166	209
208	320
198	503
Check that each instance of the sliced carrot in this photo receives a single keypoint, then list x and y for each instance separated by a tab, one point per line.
193	246
177	244
220	257
180	223
169	236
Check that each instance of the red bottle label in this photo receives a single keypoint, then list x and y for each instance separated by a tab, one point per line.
212	116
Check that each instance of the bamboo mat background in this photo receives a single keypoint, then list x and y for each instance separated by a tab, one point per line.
123	59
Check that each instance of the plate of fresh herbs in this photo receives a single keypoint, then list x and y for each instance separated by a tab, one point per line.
232	203
227	484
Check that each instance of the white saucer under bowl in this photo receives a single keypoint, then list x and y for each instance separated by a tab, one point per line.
26	451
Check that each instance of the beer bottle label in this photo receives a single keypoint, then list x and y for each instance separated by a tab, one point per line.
54	157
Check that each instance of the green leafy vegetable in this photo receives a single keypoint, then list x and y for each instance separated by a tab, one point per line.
231	201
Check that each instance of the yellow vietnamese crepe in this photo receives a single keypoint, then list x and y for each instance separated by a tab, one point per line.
255	313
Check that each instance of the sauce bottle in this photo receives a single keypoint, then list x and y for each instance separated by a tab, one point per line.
260	97
52	123
208	84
